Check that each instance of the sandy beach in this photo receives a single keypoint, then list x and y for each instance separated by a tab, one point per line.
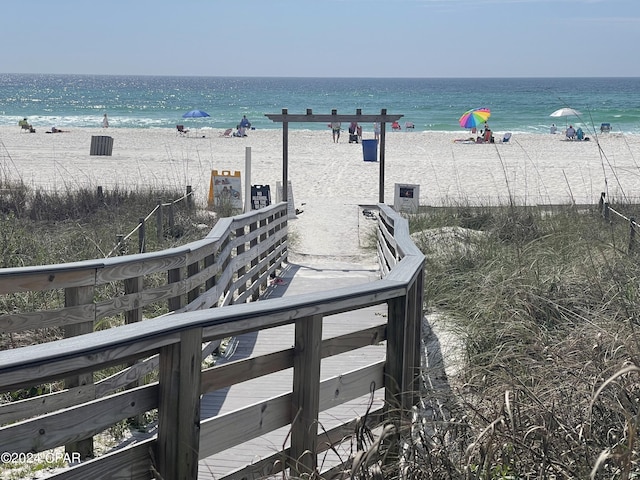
532	169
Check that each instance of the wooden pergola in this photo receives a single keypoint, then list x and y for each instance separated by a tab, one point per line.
285	118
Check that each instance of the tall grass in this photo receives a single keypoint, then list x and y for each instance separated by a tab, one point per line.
546	305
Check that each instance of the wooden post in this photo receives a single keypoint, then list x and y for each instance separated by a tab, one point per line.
382	156
120	244
306	396
141	237
285	158
247	179
100	192
159	222
605	212
190	201
632	233
132	286
179	408
172	221
394	367
72	297
601	202
412	347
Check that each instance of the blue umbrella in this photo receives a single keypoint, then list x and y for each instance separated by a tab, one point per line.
196	114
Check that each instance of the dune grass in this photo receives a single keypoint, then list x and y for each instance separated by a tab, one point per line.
545	303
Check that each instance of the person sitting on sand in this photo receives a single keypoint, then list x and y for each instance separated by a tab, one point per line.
56	130
571	132
25	125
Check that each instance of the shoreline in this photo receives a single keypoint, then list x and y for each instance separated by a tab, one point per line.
530	169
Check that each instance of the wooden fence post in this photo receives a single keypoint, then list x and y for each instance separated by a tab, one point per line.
172	221
159	222
601	202
632	233
179	378
72	297
141	237
306	396
189	197
605	212
120	243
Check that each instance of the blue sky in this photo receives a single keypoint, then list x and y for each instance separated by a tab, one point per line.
324	38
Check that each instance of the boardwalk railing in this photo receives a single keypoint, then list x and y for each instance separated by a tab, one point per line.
240	260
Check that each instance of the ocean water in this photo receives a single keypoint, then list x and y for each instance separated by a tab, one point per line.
517	105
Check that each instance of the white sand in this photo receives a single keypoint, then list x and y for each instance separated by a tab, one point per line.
530	168
330	179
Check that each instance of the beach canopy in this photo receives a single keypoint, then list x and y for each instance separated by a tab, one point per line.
565	112
474	117
195	114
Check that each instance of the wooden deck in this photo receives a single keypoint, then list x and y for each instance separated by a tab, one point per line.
310	270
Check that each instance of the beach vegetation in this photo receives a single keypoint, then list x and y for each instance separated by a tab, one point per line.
544	305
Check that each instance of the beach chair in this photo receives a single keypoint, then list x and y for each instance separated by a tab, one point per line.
227	133
409	126
605	128
396	126
506	137
181	131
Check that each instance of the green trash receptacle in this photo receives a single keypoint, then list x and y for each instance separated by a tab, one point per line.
370	150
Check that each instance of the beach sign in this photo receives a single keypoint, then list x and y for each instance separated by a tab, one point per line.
260	196
225	188
406	197
291	208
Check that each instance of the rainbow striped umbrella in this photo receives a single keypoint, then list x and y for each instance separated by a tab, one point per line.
474	118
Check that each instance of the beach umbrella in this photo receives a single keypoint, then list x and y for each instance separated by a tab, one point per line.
474	118
195	114
566	112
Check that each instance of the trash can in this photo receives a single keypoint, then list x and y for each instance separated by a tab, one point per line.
101	145
370	150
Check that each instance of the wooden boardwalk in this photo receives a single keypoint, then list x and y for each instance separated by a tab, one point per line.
311	269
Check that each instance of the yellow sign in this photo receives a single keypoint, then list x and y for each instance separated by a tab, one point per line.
225	187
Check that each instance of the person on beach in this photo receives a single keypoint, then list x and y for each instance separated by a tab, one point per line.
105	121
376	130
335	131
244	124
25	125
571	132
553	129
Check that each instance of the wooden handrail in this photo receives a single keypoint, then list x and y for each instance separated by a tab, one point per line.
182	440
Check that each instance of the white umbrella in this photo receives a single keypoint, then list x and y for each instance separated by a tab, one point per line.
566	112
